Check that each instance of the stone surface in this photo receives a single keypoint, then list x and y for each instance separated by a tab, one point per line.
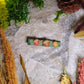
41	64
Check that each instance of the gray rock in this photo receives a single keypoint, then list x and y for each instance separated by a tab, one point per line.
41	64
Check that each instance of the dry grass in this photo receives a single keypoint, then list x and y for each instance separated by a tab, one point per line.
8	62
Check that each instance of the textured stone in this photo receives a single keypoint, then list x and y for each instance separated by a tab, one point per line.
41	64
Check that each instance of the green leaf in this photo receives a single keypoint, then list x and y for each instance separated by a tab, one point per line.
59	13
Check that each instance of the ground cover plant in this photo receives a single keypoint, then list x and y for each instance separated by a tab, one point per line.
17	10
38	3
3	15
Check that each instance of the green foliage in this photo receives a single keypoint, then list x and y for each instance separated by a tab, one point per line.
18	10
59	13
3	15
38	3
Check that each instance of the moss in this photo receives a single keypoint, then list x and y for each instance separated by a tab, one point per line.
3	15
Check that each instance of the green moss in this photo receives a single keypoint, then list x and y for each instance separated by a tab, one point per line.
3	15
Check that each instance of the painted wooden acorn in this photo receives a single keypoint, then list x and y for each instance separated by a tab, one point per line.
46	43
36	42
55	44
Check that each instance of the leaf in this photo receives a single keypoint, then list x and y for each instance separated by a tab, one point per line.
38	3
26	80
79	34
59	13
65	79
23	66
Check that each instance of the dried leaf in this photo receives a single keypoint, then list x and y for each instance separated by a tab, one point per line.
23	66
65	79
79	34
